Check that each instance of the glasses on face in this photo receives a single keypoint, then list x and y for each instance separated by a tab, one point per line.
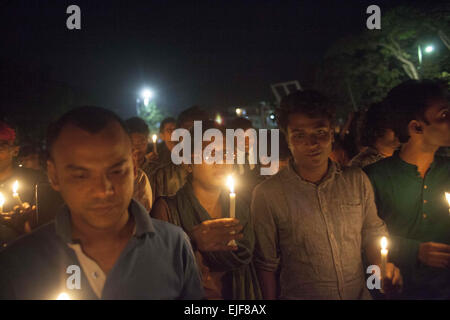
231	155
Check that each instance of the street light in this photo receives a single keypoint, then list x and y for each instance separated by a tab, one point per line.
428	49
147	94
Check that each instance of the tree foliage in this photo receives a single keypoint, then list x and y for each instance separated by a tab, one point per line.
359	70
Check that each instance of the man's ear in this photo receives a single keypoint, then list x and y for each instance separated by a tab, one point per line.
415	127
52	176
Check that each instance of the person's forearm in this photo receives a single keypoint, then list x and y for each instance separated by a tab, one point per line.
268	282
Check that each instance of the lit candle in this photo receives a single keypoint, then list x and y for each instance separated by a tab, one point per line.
447	196
154	138
384	256
230	183
2	202
63	296
15	193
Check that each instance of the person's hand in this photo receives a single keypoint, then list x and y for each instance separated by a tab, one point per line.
152	156
393	281
214	235
23	215
434	254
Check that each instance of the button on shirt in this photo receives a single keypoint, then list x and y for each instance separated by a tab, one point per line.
315	234
415	211
157	263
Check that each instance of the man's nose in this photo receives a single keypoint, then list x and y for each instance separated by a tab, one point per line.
311	140
103	187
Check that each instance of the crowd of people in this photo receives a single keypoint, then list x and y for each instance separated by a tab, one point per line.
139	226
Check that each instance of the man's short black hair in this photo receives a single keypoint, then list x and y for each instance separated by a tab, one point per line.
137	125
409	101
194	113
89	118
374	123
165	122
309	102
240	123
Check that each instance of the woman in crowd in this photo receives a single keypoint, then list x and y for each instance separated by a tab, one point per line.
201	208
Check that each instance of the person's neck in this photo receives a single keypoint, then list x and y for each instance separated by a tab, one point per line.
385	151
208	197
418	154
314	175
90	236
169	146
7	172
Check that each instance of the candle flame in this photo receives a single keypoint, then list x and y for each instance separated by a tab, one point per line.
63	296
230	183
15	187
154	137
384	243
2	199
447	196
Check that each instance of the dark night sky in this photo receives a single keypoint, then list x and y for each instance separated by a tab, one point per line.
215	53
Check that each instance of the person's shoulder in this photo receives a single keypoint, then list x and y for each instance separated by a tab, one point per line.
43	238
167	231
442	161
273	182
380	166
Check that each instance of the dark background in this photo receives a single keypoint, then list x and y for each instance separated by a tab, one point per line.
215	53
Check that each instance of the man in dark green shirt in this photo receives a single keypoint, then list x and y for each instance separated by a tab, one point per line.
410	189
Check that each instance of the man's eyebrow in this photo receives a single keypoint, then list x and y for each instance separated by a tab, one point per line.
118	164
75	168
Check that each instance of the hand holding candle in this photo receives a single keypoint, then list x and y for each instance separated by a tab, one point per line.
384	256
230	183
15	193
447	196
2	202
154	138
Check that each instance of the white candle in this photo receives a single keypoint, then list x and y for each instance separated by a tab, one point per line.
384	256
447	196
154	138
15	193
230	182
2	202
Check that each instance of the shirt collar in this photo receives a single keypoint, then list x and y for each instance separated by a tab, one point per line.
408	167
333	170
143	222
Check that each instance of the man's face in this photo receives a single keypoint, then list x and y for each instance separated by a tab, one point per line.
437	132
7	152
139	143
94	174
389	139
310	140
167	133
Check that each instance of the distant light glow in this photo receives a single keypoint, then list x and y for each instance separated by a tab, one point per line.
63	296
219	119
154	137
429	49
230	183
272	116
238	112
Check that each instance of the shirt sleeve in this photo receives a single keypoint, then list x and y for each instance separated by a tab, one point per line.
373	226
266	254
192	286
